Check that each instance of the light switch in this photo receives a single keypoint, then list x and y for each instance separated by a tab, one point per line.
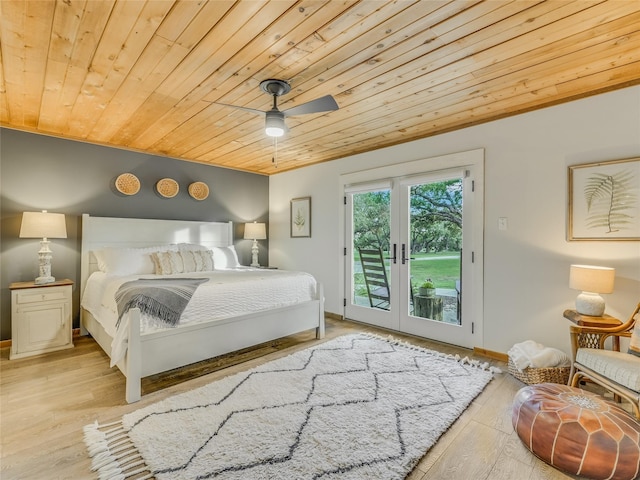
502	223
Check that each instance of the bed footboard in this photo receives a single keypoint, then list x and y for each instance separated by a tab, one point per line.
133	367
320	328
168	349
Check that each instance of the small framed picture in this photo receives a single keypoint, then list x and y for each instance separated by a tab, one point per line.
301	217
604	200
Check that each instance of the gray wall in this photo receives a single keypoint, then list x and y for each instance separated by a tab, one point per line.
45	173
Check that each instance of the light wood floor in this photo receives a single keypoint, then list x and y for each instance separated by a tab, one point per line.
46	400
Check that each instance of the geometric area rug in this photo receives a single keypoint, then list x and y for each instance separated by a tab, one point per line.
356	407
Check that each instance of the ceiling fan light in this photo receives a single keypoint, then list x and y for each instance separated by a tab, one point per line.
274	124
274	131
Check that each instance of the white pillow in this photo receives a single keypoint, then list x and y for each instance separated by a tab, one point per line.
204	260
168	263
225	257
191	260
197	260
177	264
126	261
162	263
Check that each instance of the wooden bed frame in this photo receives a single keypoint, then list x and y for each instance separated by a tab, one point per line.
167	349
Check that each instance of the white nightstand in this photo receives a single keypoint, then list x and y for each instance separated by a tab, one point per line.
40	317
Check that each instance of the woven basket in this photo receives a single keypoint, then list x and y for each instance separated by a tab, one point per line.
127	184
531	375
198	190
167	187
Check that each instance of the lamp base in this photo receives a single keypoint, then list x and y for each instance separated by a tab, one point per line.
254	254
43	280
44	265
590	304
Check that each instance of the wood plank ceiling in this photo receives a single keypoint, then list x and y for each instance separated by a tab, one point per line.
148	75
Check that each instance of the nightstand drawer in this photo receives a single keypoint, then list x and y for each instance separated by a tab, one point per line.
42	295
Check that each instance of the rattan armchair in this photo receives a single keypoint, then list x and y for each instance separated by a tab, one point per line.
618	372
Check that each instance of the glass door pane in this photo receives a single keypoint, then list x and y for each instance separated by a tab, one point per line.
435	229
369	256
435	245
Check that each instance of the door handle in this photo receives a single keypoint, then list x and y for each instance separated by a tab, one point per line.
395	255
404	256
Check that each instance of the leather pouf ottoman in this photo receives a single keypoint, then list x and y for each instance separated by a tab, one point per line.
577	431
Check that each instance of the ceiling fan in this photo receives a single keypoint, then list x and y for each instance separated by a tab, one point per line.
274	118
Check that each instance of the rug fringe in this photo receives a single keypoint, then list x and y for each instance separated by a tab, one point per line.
465	361
114	456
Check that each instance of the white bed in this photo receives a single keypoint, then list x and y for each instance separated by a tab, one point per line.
159	350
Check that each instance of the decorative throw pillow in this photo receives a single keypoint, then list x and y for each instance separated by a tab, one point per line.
197	258
157	264
185	261
164	263
206	257
177	265
634	345
189	261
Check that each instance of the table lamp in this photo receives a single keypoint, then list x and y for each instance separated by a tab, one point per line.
592	280
255	231
43	225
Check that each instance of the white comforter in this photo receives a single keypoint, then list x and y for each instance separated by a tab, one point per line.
228	293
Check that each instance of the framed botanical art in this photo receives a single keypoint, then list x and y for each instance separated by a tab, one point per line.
604	200
301	217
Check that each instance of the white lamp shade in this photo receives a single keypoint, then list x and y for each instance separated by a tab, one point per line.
43	225
255	231
589	278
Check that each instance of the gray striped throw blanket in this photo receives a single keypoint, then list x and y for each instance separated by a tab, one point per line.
163	298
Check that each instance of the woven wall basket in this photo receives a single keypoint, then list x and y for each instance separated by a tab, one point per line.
127	184
199	190
167	187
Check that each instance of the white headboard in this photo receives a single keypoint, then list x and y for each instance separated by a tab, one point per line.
100	232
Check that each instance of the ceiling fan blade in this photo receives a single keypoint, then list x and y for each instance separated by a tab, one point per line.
246	109
322	104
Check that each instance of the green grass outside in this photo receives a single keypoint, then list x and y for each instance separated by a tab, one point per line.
442	271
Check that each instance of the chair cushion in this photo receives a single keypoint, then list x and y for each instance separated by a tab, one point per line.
634	345
620	367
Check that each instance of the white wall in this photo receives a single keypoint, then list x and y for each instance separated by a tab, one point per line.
526	266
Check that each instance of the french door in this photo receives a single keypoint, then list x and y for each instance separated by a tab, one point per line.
372	292
412	255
